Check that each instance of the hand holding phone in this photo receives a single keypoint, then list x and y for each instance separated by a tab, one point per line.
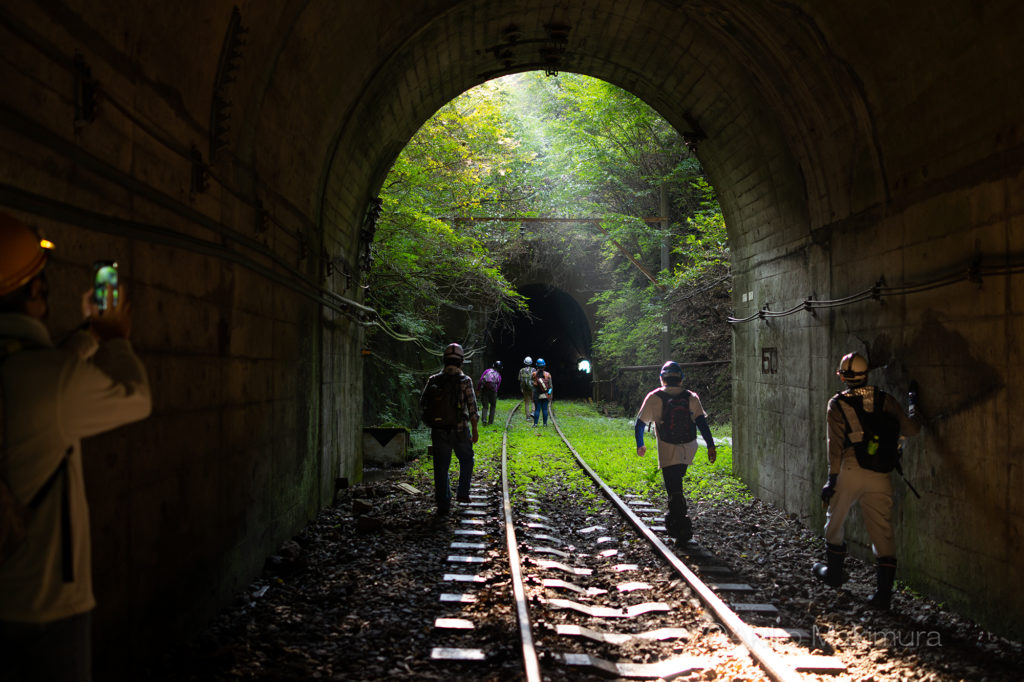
105	304
104	280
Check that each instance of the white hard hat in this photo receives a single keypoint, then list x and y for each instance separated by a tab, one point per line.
853	368
527	360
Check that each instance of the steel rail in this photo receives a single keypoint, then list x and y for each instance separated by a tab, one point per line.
530	661
771	662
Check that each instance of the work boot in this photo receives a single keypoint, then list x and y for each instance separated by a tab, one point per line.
831	572
677	523
882	598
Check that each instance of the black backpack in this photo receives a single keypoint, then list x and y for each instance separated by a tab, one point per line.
676	425
442	405
875	434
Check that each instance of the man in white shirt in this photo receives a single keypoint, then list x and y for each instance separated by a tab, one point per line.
52	398
677	414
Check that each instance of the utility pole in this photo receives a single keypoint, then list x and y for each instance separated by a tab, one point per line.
666	266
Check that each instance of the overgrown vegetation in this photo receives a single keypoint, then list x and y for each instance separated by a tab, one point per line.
607	445
533	147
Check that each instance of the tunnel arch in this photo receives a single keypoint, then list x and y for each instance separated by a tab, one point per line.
806	130
848	142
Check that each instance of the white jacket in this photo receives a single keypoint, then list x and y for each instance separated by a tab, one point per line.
52	399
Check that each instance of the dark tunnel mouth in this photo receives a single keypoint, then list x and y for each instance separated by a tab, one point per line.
557	330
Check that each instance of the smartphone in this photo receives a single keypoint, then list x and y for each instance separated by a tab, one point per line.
104	273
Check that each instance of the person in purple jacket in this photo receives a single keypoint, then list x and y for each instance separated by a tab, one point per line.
487	386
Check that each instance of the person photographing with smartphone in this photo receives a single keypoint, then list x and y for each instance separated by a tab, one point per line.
50	399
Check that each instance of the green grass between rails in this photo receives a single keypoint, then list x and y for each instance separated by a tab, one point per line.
606	444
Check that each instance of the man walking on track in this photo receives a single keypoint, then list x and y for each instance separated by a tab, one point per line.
865	425
677	414
447	406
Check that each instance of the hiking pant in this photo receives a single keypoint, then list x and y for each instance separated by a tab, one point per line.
873	491
60	651
488	402
673	476
542	406
527	398
446	441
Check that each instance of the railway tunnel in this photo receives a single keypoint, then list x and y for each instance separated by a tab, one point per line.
557	329
228	158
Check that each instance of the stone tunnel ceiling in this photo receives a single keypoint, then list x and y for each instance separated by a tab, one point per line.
848	141
557	330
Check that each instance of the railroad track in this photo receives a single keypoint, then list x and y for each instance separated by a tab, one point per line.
600	590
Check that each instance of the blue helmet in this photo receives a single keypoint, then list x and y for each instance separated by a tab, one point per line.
540	362
671	369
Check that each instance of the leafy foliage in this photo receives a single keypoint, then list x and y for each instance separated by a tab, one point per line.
534	147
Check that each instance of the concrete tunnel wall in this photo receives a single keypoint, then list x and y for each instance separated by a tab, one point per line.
847	142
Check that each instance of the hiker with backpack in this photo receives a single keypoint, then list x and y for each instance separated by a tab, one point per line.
542	391
488	385
677	415
447	406
865	425
526	386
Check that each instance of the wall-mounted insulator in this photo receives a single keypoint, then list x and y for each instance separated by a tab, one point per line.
328	264
809	305
86	92
876	291
200	176
974	271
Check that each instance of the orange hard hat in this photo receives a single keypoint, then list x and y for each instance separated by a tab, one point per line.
22	254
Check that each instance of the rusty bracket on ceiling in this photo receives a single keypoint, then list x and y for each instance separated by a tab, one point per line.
554	50
227	73
199	177
551	49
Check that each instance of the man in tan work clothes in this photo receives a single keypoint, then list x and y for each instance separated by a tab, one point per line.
864	427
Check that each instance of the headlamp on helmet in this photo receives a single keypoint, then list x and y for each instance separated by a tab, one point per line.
853	369
23	254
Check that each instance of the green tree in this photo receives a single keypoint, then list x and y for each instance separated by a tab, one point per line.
528	146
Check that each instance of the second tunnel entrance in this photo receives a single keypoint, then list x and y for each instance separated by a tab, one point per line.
557	330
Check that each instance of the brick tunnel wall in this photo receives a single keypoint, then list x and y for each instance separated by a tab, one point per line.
255	369
846	143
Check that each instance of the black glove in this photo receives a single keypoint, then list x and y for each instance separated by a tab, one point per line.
912	399
829	489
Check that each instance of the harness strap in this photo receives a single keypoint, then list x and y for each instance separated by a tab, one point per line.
855	432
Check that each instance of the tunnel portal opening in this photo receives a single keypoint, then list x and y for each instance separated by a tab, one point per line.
555	329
